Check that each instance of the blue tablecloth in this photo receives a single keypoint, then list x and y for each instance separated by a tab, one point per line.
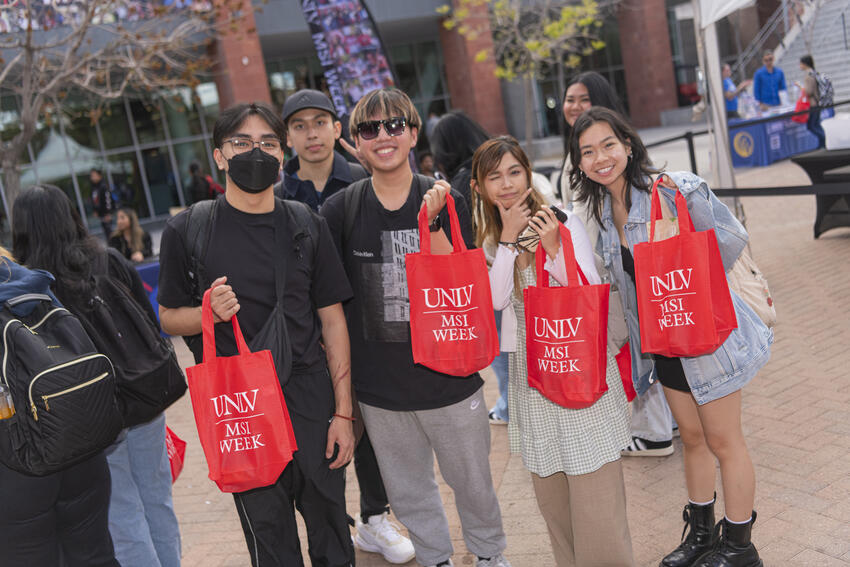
762	144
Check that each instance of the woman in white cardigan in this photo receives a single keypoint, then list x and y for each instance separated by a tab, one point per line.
573	454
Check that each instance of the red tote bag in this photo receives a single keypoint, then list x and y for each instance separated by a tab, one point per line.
684	305
452	325
242	420
566	334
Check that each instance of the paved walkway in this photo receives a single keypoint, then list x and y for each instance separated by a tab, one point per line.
796	418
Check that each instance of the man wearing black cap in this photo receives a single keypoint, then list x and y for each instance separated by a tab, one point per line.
317	171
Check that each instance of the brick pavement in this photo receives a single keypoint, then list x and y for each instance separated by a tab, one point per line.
796	418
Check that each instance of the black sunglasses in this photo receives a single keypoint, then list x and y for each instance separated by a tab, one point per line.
370	129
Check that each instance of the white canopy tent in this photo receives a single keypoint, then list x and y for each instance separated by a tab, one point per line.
52	161
706	15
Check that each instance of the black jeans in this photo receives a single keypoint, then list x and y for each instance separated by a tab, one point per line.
373	495
268	514
59	519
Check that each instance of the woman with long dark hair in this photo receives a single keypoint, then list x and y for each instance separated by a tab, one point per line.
612	176
48	234
573	455
583	91
60	518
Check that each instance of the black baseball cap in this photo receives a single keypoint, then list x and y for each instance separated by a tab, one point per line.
307	98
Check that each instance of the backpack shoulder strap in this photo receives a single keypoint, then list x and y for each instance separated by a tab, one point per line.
196	237
304	218
353	197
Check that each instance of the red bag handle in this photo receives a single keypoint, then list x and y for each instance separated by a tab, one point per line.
684	217
425	235
573	269
208	329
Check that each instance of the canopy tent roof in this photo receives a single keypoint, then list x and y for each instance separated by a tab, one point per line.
53	163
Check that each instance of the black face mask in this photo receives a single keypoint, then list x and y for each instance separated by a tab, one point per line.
253	171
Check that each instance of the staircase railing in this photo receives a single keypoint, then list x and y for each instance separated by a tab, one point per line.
741	69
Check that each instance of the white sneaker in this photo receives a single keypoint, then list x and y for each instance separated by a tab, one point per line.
381	535
495	561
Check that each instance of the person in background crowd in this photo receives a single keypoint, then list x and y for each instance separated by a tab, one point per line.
767	82
611	173
651	420
60	518
573	454
312	128
411	413
48	234
426	163
238	266
202	186
583	91
825	90
813	125
317	171
731	92
102	201
129	237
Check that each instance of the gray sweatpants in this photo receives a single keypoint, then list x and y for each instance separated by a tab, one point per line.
405	443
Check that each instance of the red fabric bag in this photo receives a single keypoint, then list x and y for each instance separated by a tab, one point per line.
802	104
624	365
566	334
684	305
176	449
242	420
452	325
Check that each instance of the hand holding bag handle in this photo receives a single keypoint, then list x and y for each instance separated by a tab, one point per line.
573	269
458	244
208	330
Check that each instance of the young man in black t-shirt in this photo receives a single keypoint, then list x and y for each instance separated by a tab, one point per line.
411	413
316	173
239	264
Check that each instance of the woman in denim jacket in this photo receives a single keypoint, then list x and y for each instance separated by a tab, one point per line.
611	174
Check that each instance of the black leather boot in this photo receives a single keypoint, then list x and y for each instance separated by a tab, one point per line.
734	549
699	541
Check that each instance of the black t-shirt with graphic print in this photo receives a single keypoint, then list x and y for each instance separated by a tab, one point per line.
382	366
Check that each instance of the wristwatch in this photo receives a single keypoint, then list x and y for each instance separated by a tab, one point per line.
435	225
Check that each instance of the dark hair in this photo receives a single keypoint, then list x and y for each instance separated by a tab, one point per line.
454	141
230	120
601	94
808	61
388	101
96	170
48	233
638	169
194	168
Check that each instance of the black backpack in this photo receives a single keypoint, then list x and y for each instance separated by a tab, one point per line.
149	378
63	390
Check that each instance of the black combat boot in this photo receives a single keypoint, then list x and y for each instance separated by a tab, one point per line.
699	541
734	548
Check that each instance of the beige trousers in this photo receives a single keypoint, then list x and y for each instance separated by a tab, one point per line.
586	517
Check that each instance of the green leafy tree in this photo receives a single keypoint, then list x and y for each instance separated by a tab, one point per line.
96	51
530	38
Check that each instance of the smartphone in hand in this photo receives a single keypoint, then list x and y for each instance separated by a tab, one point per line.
529	239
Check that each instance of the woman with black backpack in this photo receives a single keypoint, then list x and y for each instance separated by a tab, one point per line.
58	518
48	234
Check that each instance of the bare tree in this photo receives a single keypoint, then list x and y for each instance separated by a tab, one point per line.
99	50
530	38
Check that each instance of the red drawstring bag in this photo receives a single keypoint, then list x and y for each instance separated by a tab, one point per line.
684	305
176	449
452	325
242	420
566	333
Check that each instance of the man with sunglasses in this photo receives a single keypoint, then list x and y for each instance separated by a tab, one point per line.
314	174
250	239
767	82
411	413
